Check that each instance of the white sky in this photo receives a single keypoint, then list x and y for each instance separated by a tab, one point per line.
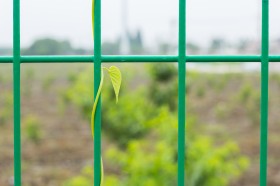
71	19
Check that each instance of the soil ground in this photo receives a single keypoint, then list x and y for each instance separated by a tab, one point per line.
66	144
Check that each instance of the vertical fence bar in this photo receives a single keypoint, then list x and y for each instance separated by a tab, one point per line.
16	91
97	75
181	93
264	92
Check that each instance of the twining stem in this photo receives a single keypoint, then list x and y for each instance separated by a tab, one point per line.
96	102
93	116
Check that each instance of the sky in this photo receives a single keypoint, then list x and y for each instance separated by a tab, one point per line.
157	19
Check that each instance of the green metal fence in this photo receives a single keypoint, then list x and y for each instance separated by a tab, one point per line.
181	59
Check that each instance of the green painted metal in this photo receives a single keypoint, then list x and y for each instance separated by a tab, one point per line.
16	92
181	59
97	77
181	92
264	93
136	59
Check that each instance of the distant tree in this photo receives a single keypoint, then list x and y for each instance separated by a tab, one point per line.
242	45
81	51
6	51
136	43
164	47
111	48
49	46
192	48
217	45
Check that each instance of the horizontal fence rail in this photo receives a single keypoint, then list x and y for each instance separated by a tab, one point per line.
136	59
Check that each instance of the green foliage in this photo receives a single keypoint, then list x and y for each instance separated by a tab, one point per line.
143	144
111	48
81	93
221	110
116	80
275	77
32	128
72	77
28	77
133	123
162	72
164	94
78	181
47	82
48	46
163	87
200	92
245	93
6	103
83	180
4	116
128	119
1	78
153	159
250	99
209	165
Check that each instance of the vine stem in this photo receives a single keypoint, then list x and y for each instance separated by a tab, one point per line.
93	115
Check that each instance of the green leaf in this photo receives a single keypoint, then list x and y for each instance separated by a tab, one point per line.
116	79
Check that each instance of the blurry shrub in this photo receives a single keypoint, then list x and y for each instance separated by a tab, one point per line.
29	74
78	181
72	77
47	82
1	78
127	119
153	164
253	108
249	97
163	86
144	145
245	93
6	104
28	77
4	116
80	93
200	92
32	128
162	72
135	108
221	111
274	77
164	94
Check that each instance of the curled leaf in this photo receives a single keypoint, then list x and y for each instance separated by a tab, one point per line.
116	79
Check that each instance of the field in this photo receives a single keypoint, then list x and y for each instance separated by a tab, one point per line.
56	137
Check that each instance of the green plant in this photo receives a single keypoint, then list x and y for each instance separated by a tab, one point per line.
1	78
32	127
163	86
6	102
221	110
133	124
72	77
28	81
250	99
116	79
47	82
200	92
4	116
153	159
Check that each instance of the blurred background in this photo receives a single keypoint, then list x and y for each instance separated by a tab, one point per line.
139	134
